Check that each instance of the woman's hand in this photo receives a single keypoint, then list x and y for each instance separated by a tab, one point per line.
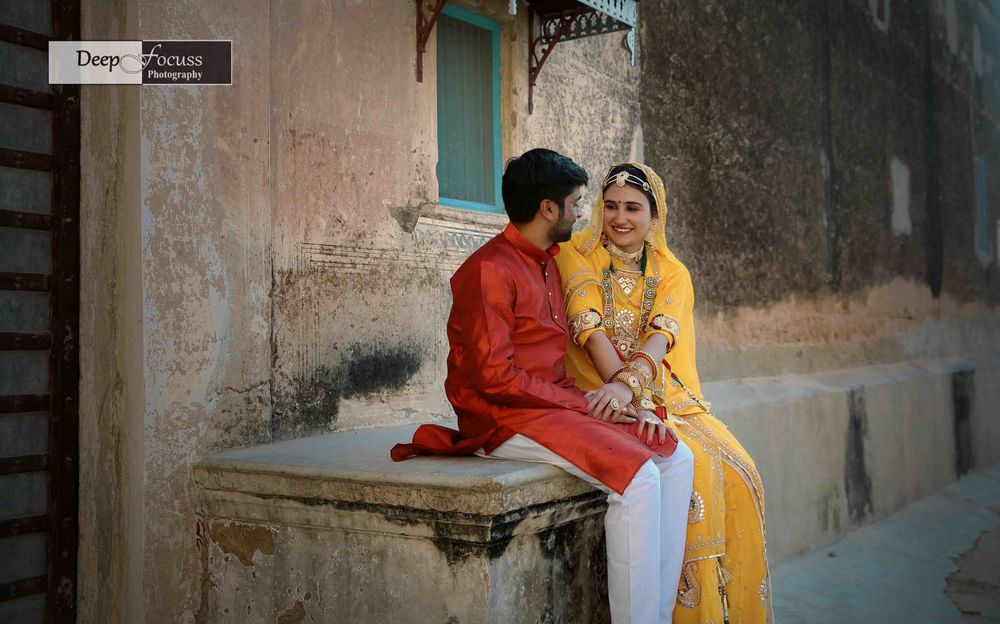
609	402
652	425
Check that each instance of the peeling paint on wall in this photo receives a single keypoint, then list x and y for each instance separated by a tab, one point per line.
242	540
295	615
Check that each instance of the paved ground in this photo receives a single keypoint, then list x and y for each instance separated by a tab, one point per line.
937	561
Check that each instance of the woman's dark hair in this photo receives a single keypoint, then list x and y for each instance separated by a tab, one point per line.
639	173
536	175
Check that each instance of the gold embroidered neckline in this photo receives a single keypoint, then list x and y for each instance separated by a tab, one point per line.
624	335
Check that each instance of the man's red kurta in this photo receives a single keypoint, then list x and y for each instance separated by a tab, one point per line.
506	369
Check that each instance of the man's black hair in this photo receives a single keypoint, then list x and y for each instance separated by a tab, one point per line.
536	175
639	173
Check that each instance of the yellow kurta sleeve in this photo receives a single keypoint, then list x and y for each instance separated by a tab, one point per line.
582	290
674	295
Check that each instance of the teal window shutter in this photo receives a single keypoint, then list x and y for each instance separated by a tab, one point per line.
468	100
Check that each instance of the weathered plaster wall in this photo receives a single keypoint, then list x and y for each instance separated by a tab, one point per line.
206	271
586	105
176	307
353	153
362	255
111	516
819	160
266	260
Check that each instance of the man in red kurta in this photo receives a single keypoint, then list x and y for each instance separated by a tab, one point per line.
507	382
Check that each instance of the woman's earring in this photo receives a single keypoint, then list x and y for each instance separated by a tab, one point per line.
654	226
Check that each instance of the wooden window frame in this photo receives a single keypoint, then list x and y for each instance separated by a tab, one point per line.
481	21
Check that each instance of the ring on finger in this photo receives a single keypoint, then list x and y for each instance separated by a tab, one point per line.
615	405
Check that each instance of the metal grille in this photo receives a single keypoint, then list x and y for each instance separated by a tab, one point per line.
39	312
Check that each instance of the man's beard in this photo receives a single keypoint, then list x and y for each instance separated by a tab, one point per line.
562	230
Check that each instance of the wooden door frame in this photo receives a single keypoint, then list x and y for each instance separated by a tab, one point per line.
60	522
64	370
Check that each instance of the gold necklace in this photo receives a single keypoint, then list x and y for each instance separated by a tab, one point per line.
627	282
633	257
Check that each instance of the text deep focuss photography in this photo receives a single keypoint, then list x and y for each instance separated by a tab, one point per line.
141	62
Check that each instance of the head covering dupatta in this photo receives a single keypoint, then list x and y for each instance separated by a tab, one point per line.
656	240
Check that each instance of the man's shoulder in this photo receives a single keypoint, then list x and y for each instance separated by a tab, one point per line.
497	254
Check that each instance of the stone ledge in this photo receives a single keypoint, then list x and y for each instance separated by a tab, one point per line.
352	471
332	524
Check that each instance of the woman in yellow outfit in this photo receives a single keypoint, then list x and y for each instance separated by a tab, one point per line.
630	306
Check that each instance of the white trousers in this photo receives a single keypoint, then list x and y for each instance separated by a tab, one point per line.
645	528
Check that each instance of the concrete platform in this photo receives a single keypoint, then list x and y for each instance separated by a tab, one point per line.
329	527
936	562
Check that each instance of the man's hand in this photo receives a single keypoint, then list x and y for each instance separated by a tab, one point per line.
652	425
609	402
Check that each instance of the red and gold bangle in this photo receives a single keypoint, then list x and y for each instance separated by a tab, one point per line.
649	358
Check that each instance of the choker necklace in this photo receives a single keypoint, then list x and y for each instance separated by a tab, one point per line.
624	256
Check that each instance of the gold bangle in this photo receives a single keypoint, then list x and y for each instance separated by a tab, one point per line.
611	377
630	379
646	374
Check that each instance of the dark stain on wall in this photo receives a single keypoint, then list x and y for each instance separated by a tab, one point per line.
857	481
962	392
575	559
406	216
934	252
456	544
367	369
829	512
828	168
374	369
